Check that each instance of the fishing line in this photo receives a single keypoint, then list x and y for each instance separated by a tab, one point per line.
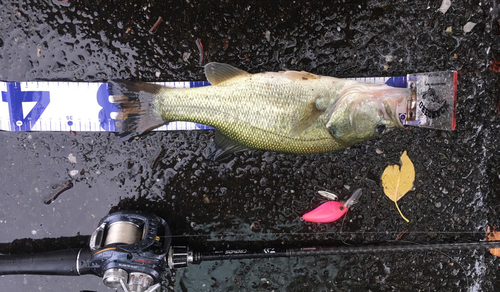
460	265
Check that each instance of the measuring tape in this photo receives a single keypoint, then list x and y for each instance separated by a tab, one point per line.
66	106
85	106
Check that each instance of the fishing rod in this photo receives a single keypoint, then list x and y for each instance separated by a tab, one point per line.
132	249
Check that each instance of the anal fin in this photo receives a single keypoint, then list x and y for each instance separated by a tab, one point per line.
225	146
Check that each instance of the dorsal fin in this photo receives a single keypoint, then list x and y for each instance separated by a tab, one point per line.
218	72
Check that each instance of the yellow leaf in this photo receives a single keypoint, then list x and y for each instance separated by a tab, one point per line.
397	181
491	235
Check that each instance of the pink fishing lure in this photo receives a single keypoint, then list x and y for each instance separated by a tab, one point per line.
331	211
327	212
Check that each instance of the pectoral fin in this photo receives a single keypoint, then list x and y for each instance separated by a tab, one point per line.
218	72
308	117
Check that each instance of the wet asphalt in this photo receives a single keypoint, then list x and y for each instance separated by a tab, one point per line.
256	198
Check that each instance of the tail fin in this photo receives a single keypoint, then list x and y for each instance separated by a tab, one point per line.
136	113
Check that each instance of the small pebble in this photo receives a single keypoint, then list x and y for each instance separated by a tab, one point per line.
255	226
445	5
72	158
469	26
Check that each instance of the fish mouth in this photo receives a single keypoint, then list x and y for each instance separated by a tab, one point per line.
367	99
394	99
389	99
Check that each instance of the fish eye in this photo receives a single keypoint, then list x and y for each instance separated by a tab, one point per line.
380	128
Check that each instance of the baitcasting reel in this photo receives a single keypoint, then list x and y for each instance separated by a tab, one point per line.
129	250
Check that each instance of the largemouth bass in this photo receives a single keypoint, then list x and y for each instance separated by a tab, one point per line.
288	111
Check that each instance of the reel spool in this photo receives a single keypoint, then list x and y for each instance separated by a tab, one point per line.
123	232
130	247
